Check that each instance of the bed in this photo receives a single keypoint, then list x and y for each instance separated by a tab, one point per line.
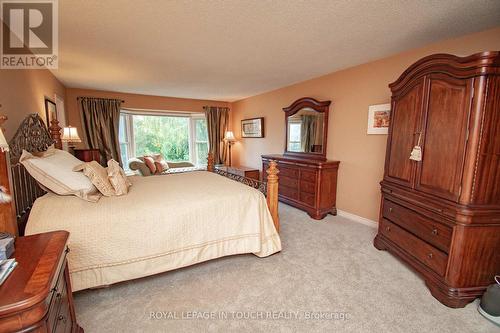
163	223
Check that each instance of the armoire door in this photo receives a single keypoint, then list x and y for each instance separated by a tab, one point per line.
405	115
444	136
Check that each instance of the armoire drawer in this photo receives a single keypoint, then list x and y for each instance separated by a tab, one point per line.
435	233
425	253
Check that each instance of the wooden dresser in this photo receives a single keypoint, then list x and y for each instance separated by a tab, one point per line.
37	296
308	184
441	213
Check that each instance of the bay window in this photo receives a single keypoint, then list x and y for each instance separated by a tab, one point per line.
179	137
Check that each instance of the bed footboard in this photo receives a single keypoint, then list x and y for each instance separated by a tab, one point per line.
269	188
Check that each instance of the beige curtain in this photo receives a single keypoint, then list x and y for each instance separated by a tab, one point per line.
308	133
100	122
217	125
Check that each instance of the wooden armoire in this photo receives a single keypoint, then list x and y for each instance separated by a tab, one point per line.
440	212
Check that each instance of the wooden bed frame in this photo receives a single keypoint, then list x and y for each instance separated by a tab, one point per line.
34	136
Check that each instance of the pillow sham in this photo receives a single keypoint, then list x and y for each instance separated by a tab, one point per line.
150	163
98	175
117	178
54	171
160	163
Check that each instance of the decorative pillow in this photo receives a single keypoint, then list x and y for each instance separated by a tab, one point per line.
98	175
160	163
117	178
150	163
54	171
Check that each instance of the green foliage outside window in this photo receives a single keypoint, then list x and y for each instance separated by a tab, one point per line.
166	135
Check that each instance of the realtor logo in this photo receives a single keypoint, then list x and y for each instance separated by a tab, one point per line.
29	34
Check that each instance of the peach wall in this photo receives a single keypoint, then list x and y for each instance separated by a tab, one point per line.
351	92
23	92
134	101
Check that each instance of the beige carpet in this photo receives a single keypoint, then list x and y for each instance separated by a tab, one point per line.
328	277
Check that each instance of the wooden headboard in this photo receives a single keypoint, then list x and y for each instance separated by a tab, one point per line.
32	136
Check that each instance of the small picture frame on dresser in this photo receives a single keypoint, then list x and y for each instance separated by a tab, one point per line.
252	128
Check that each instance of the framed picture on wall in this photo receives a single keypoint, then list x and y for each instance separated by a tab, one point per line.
378	118
252	128
50	111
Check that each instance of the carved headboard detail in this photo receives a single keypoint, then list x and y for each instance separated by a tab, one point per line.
32	136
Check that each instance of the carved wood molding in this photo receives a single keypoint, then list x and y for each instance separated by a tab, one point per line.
32	135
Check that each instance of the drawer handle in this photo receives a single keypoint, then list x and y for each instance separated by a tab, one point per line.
390	209
435	232
58	295
388	228
430	256
61	317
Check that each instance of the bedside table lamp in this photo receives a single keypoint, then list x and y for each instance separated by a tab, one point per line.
230	139
70	135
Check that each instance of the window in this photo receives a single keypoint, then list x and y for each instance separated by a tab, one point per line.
294	129
178	137
201	140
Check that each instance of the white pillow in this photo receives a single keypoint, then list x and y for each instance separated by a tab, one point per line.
55	172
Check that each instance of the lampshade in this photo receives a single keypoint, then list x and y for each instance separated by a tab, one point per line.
229	136
4	146
70	134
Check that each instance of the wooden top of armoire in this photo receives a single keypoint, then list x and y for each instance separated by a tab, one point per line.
461	67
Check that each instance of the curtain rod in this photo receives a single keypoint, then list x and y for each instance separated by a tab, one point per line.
82	97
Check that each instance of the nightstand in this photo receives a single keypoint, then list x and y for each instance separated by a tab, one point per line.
88	155
37	296
240	171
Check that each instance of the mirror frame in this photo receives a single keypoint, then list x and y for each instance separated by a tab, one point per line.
308	102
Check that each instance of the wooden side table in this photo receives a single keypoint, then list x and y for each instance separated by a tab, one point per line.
240	171
88	155
37	296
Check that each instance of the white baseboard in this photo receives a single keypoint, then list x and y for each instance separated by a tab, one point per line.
357	218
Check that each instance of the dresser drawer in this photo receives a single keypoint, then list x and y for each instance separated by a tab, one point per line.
287	181
59	294
307	198
429	230
288	172
307	187
288	192
425	253
308	176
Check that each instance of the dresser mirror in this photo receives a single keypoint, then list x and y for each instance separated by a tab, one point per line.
306	128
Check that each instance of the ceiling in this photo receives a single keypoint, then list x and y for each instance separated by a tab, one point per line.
228	50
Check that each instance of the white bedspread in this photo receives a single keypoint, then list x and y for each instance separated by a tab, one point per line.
164	223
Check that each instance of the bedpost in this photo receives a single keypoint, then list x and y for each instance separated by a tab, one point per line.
8	222
210	162
272	193
55	133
